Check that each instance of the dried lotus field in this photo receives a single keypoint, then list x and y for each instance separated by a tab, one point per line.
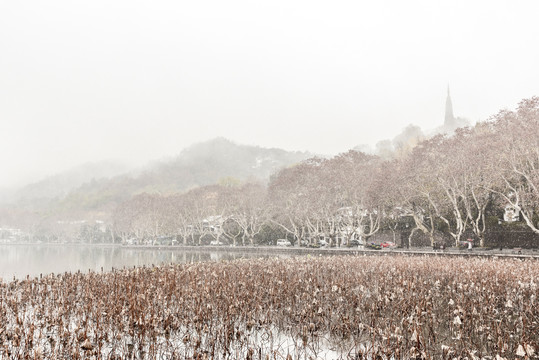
347	307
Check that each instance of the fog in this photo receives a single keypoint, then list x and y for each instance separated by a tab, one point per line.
135	81
32	260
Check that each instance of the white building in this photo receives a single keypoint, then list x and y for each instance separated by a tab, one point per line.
511	213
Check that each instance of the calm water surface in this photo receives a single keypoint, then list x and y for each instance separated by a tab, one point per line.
21	260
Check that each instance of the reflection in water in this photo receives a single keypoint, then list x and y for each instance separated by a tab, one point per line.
21	260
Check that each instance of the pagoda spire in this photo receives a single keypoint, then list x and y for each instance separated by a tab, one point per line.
449	117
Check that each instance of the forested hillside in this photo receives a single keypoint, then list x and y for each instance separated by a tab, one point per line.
92	192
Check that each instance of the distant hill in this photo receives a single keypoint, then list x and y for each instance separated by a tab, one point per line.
59	185
201	164
205	163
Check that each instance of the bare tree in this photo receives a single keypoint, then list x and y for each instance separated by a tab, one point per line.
519	150
249	210
356	179
409	186
290	195
475	156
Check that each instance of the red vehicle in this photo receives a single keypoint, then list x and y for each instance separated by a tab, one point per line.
388	245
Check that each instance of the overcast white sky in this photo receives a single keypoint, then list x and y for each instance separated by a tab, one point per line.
128	79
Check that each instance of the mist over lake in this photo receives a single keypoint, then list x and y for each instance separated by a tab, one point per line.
21	260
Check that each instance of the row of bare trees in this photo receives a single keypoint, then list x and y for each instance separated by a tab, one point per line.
455	180
237	213
333	199
447	184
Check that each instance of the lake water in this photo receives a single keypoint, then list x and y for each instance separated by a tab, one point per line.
21	260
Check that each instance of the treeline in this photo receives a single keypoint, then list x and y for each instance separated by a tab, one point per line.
448	185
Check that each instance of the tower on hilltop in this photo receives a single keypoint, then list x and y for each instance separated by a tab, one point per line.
449	121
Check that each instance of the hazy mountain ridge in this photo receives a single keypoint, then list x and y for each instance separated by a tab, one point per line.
59	185
217	158
198	165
